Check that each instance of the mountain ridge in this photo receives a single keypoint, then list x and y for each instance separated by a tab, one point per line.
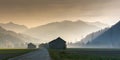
10	39
61	29
108	39
14	27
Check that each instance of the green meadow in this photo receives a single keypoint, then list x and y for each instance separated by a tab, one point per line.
68	54
10	53
85	54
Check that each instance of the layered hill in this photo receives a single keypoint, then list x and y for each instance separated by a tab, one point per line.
108	39
68	30
10	39
13	27
90	37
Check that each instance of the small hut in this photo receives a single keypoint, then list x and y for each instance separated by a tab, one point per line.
44	45
31	46
58	43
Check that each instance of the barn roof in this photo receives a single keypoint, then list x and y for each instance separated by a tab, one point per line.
58	39
31	44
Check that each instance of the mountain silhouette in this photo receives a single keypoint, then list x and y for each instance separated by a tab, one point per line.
108	39
68	30
10	39
98	24
13	27
90	37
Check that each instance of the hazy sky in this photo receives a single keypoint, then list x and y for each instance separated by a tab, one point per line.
38	12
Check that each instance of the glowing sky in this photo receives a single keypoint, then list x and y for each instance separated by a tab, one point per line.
39	12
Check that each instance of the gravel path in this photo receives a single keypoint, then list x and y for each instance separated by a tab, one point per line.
40	54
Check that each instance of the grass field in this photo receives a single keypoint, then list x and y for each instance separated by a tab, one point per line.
9	53
85	54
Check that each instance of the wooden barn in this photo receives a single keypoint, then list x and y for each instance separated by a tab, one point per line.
31	46
58	43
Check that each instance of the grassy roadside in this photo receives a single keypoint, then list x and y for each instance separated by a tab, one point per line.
10	53
14	51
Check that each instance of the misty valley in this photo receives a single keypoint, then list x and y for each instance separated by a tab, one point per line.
66	40
59	29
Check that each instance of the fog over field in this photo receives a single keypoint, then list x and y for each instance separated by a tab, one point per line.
45	20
